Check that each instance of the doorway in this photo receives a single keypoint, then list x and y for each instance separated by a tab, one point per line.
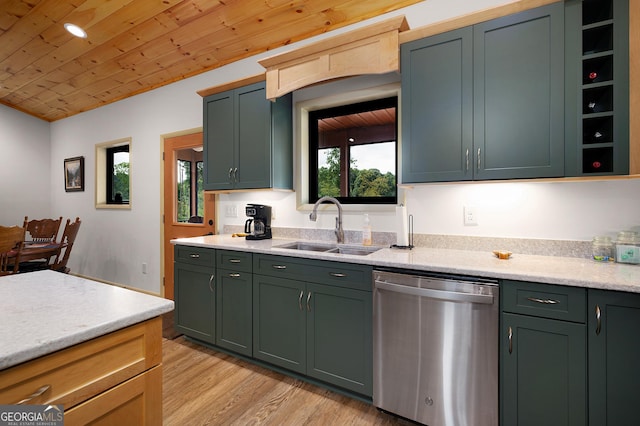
187	210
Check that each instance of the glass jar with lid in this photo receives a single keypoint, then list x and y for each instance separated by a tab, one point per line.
627	249
602	249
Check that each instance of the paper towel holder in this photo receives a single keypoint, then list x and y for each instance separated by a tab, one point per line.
410	246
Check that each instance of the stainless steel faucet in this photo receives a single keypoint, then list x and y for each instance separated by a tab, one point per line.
313	216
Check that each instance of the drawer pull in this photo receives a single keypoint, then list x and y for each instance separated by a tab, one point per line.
34	395
234	275
300	300
234	260
194	256
337	274
510	340
211	287
543	301
279	266
598	320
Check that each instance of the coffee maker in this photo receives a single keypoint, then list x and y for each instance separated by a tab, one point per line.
261	215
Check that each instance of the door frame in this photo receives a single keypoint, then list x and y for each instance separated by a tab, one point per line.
162	189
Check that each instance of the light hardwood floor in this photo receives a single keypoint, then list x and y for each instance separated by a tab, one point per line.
205	387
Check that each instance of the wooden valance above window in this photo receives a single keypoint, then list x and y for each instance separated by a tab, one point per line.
373	49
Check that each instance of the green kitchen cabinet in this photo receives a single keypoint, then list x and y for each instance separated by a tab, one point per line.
234	301
315	318
248	140
543	361
487	101
614	358
597	85
194	292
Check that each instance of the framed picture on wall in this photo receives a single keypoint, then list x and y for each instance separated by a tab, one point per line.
74	174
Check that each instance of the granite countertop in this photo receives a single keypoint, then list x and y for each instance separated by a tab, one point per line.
569	271
46	311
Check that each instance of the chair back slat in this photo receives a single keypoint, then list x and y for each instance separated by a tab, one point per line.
42	230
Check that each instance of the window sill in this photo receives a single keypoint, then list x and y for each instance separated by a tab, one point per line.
113	206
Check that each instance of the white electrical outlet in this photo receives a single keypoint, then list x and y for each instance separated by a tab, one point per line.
470	215
231	211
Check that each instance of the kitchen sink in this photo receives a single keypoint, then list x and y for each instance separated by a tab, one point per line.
330	248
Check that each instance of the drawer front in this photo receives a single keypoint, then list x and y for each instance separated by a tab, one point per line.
339	274
80	372
544	300
234	260
195	256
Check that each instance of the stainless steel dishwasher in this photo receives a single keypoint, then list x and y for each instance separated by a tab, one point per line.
435	355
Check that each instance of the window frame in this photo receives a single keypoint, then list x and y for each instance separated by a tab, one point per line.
347	108
101	174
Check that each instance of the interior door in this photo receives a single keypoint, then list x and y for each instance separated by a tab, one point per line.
188	211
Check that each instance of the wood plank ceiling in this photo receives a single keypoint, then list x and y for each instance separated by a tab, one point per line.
137	45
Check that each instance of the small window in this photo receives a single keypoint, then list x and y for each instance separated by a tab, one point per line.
113	174
353	152
189	186
117	177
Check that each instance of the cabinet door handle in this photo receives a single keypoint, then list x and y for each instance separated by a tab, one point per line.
598	320
300	300
543	301
337	274
478	159
194	256
510	340
235	175
234	260
467	159
212	287
234	275
308	300
34	395
279	266
230	173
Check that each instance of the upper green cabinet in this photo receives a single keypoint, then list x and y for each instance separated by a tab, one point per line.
597	89
248	140
486	102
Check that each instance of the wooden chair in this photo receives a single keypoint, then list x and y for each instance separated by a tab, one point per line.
42	230
11	242
66	244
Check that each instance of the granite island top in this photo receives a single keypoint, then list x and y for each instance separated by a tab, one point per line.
46	311
569	271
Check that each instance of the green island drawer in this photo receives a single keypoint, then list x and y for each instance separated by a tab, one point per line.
544	300
234	260
200	256
340	274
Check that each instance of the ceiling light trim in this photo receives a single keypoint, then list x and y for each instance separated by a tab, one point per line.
75	30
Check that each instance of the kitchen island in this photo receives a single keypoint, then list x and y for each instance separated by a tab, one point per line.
94	348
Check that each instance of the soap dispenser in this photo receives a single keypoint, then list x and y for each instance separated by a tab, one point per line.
366	231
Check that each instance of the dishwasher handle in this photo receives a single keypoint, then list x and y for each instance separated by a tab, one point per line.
453	296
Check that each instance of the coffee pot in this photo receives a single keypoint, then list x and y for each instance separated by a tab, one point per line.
260	219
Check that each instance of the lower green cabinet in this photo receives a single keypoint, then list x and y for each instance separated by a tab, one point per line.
194	293
614	358
279	322
543	368
234	311
317	330
339	337
543	362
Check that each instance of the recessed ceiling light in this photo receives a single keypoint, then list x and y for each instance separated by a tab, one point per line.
75	30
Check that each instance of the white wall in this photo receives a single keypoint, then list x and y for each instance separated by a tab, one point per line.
113	244
25	171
